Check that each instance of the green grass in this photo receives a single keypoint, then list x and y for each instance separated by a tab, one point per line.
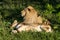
5	34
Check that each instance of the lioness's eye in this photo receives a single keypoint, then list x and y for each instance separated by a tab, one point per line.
29	9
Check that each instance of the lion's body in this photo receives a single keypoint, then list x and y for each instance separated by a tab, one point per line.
34	27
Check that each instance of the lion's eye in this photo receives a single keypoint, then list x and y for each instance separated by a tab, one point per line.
29	9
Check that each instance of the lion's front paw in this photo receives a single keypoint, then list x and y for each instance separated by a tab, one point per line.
14	31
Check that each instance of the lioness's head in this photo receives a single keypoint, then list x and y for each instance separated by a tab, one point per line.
27	10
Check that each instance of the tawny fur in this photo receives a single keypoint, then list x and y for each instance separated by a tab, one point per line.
31	21
30	16
34	27
14	24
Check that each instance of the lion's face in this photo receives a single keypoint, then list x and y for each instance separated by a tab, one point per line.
27	10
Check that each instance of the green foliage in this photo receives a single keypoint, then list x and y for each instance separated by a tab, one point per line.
10	10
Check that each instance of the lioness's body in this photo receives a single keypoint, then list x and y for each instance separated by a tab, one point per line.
34	27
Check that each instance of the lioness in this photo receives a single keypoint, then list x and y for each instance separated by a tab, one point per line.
31	22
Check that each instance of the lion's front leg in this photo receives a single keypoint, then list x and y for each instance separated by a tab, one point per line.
14	24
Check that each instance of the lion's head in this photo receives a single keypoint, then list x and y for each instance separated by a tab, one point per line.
28	10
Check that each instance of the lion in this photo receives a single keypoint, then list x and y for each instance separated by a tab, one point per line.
31	16
31	22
